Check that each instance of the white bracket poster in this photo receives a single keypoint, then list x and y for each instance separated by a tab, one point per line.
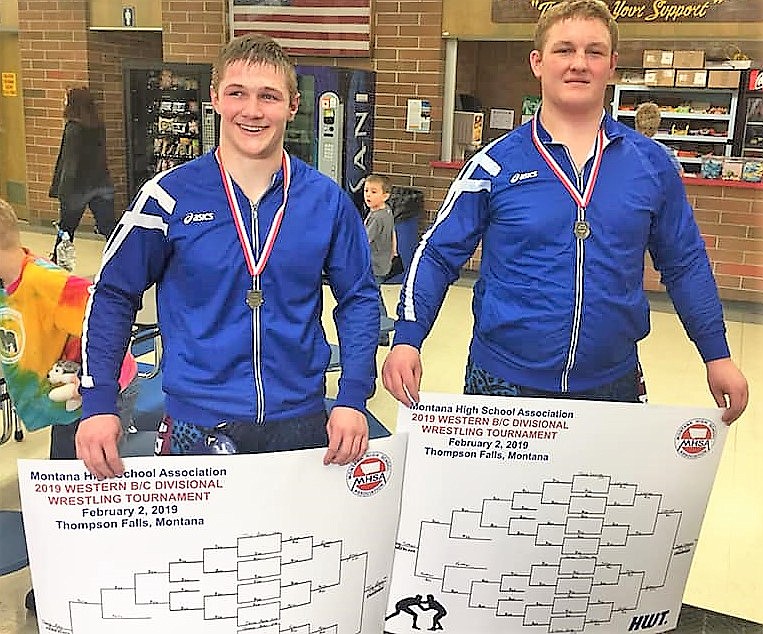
263	543
545	516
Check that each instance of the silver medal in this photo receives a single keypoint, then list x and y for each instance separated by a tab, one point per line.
254	298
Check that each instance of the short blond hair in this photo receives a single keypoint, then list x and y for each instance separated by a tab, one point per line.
255	48
9	226
576	9
648	118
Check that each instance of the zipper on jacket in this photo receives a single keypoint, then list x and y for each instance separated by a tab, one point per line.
259	390
577	312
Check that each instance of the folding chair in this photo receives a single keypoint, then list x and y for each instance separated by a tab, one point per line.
11	422
146	347
13	555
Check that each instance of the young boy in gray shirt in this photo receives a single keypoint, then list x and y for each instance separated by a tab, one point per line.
380	228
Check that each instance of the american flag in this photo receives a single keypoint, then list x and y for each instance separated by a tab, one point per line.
327	28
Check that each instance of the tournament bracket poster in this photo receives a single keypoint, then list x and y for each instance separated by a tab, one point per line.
542	516
265	543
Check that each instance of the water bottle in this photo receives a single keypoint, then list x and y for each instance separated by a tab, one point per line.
66	258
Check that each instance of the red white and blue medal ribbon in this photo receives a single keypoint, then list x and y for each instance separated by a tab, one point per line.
582	229
255	266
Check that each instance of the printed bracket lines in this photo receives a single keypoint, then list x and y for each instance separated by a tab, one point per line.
259	586
578	530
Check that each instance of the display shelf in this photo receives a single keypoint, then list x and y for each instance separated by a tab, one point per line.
707	115
669	114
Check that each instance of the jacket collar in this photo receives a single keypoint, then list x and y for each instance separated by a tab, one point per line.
612	129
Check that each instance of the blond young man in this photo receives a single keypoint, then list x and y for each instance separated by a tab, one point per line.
235	242
565	207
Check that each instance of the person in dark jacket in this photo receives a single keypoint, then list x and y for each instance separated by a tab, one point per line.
81	177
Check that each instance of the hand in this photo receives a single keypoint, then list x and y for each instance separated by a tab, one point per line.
728	387
96	442
348	436
402	372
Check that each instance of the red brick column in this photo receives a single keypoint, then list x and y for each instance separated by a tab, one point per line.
408	56
53	47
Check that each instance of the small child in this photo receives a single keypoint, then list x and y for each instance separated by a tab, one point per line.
42	308
380	227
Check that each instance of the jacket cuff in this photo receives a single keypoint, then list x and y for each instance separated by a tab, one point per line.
410	333
353	393
713	347
99	400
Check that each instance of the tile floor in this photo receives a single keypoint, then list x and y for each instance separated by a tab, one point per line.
725	579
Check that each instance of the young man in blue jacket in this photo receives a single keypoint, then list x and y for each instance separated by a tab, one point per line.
566	207
236	242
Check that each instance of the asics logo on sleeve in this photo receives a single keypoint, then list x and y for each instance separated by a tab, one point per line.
199	216
516	177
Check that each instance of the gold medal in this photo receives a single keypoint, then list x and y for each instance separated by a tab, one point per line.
254	298
582	229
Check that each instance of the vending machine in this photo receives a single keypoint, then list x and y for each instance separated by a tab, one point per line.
169	117
748	141
333	129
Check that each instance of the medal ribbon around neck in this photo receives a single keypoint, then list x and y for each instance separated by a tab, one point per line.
581	200
255	266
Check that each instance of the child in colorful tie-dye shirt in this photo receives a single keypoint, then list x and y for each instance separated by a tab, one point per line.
41	311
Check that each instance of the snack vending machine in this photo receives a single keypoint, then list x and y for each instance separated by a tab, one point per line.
169	117
333	129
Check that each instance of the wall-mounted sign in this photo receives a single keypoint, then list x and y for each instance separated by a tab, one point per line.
128	16
501	119
642	10
10	87
418	116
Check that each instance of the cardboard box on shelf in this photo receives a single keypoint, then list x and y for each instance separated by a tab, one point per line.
732	168
659	77
723	78
691	78
657	59
688	59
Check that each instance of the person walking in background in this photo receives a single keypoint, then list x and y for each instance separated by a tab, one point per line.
81	176
380	228
648	119
565	207
236	242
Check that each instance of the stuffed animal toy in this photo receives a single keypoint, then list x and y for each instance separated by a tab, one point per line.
63	375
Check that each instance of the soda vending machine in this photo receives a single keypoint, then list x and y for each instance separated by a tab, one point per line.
748	142
333	129
169	117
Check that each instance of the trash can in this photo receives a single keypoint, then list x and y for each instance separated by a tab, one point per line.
407	205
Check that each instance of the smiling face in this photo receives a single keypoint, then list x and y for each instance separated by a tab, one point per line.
575	64
254	105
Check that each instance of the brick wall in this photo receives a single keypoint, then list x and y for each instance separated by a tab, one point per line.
53	46
731	222
193	30
408	57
